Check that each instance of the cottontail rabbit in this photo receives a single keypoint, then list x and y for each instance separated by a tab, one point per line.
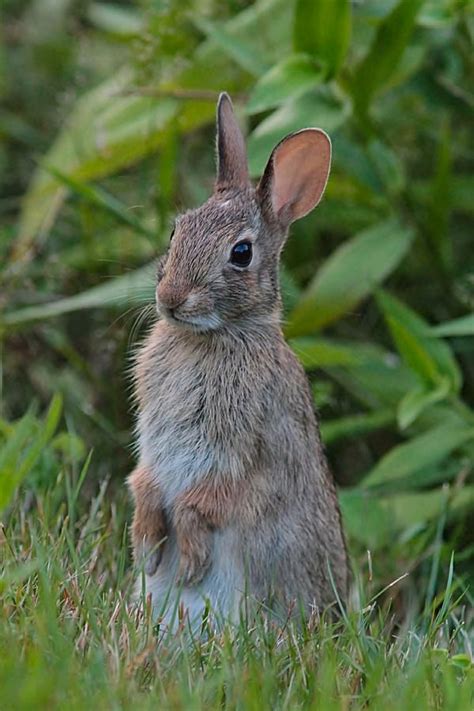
232	491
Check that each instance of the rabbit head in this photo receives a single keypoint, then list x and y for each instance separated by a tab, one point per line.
221	269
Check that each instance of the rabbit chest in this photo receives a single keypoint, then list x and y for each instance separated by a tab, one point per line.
199	409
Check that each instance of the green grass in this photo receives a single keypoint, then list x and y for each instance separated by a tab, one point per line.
71	636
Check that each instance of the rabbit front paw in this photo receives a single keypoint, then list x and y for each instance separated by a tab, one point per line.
194	544
148	534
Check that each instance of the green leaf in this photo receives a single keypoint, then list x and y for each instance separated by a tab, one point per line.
349	275
106	131
100	198
420	452
384	517
378	381
439	205
323	30
430	358
365	519
463	326
116	20
286	80
131	289
20	454
319	352
243	53
418	507
387	165
319	108
417	400
412	351
379	64
355	425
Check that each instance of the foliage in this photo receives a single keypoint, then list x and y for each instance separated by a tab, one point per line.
71	637
111	133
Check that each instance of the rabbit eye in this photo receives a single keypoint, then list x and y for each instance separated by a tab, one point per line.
241	254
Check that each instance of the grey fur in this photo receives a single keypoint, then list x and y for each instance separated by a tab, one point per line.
224	403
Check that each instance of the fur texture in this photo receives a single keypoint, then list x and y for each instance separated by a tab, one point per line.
231	467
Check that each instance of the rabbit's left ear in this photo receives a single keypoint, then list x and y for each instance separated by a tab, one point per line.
232	170
296	175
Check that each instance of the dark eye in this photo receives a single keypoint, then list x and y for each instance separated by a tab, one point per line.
241	254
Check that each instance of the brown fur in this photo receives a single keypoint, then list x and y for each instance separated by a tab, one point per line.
227	433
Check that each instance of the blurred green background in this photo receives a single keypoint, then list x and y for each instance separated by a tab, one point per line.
107	130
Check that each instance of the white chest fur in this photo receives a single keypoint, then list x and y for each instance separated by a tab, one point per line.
196	414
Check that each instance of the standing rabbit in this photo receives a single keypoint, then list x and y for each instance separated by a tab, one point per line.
232	491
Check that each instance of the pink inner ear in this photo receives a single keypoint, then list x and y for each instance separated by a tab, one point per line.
300	171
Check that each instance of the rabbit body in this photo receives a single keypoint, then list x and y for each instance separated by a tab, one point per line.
231	473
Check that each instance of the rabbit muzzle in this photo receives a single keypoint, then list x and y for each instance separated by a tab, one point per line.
189	307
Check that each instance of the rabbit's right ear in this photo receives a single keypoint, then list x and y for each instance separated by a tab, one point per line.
232	170
296	175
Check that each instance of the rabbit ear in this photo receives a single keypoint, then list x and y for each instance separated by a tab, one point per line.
232	170
296	175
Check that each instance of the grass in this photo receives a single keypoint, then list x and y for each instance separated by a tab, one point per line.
71	637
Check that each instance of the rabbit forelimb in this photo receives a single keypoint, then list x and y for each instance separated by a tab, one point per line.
198	511
149	524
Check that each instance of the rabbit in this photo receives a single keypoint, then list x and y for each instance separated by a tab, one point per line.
232	493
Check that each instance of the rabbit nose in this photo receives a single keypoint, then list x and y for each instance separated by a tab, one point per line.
171	296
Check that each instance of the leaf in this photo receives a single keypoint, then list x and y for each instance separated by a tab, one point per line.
323	30
430	358
319	108
131	289
417	400
387	165
286	80
106	130
237	49
376	520
100	198
378	381
20	454
416	507
422	451
349	275
365	519
412	351
463	326
439	206
115	19
318	352
355	425
381	61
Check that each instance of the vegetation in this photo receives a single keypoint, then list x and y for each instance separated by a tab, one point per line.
106	130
